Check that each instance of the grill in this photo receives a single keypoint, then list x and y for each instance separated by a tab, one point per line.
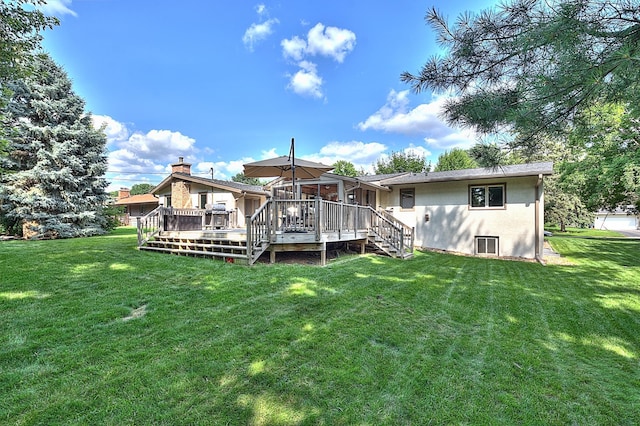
217	216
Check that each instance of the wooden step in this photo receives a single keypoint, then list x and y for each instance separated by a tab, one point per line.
198	253
197	246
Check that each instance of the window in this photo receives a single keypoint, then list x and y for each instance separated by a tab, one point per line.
487	245
167	200
407	198
487	196
203	200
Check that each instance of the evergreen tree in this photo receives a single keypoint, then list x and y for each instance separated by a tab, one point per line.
53	185
532	65
241	178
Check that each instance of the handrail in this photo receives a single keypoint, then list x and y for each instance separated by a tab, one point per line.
150	225
393	232
258	232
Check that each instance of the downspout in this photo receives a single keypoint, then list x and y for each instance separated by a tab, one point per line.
538	251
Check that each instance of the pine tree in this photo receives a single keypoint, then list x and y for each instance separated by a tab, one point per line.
53	185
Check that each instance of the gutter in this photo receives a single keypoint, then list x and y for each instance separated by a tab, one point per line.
538	242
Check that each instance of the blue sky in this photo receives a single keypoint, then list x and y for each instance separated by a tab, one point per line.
226	82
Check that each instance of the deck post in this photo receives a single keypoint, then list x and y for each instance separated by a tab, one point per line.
340	219
316	219
274	220
249	240
355	220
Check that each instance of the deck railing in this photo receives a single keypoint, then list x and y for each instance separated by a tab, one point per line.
392	231
282	216
258	235
150	225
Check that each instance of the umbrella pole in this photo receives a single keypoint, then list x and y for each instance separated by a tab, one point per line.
292	156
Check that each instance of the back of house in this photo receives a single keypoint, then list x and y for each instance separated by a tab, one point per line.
486	211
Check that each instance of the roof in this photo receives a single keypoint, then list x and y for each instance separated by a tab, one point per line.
380	178
137	199
328	177
221	184
517	170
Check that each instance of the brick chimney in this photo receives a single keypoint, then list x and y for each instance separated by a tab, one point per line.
124	193
181	167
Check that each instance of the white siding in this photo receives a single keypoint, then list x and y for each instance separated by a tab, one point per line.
453	226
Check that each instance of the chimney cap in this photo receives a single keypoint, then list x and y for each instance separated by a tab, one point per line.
181	162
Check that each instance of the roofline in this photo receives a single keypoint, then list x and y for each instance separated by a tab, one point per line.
545	169
205	182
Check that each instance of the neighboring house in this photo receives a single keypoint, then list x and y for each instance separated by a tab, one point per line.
617	220
498	212
135	206
181	190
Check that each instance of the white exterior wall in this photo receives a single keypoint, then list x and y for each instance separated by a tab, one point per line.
453	226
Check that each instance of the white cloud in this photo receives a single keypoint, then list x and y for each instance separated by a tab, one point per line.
57	8
396	117
136	157
261	9
259	31
222	170
330	41
362	155
114	130
294	48
306	81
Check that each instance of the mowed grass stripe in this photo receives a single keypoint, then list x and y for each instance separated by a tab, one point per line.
98	332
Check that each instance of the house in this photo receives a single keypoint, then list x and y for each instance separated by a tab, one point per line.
135	206
485	211
233	200
617	220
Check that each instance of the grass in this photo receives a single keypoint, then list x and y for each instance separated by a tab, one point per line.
95	332
584	232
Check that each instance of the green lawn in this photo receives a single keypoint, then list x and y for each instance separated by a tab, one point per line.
93	331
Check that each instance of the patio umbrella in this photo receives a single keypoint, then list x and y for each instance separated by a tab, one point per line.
286	166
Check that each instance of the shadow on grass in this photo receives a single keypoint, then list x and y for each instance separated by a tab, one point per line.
132	336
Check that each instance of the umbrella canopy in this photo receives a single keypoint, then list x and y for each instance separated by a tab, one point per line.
286	166
283	166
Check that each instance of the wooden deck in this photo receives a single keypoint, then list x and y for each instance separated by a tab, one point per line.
277	226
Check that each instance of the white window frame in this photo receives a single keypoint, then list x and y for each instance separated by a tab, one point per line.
481	239
486	189
413	198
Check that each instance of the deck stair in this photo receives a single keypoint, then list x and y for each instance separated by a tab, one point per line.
380	244
230	249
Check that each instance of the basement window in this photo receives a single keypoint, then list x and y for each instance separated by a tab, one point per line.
487	245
